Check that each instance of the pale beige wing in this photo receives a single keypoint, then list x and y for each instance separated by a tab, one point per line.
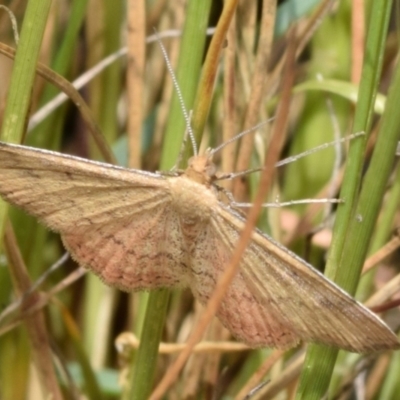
297	297
140	251
64	192
240	311
116	221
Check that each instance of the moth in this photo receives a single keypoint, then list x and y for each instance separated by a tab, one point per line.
140	230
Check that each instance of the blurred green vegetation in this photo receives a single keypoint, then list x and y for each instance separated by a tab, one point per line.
83	320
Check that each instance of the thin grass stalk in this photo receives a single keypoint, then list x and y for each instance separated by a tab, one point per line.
205	93
111	77
364	112
382	234
320	360
374	184
23	76
44	135
391	386
142	373
35	324
136	43
13	129
90	383
104	95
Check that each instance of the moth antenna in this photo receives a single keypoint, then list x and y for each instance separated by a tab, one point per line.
288	160
179	94
239	135
277	204
318	148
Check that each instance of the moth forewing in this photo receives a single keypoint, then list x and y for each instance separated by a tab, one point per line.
64	191
302	299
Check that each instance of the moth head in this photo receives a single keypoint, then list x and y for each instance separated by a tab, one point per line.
201	169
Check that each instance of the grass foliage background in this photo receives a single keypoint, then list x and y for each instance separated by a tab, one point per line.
66	349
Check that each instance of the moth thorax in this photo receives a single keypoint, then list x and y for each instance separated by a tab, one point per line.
192	201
